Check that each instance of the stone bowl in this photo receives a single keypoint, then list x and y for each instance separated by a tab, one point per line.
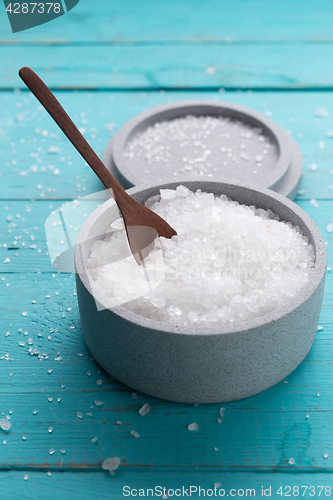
193	365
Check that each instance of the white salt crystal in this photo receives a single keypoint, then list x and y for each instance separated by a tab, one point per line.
313	167
329	227
168	194
26	477
325	455
145	409
307	416
135	397
111	464
201	278
135	434
329	133
56	171
291	461
217	485
193	427
52	450
322	112
5	424
79	414
53	149
98	403
94	440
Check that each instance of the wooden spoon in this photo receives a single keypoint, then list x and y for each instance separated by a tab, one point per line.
142	225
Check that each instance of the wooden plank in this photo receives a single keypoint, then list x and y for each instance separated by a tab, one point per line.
178	65
276	418
86	485
25	145
147	20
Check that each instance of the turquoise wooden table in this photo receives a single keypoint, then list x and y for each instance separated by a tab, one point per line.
107	61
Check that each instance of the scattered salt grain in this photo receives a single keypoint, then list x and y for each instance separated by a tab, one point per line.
111	464
50	429
217	485
144	410
26	477
216	448
99	382
119	422
53	149
98	403
5	424
307	416
329	227
325	455
135	434
63	452
94	439
313	167
200	277
52	450
291	461
79	414
193	427
135	397
49	473
322	112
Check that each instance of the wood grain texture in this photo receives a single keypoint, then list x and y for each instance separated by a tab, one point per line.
286	46
172	66
28	169
82	485
216	20
258	433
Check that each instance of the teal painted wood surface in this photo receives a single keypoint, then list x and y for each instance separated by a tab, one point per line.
135	46
216	20
177	65
78	485
100	114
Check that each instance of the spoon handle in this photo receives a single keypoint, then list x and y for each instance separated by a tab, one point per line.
59	115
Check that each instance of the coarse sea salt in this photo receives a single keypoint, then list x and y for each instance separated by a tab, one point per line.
201	145
111	464
228	263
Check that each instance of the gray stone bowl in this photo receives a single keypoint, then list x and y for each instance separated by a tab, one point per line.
282	175
193	365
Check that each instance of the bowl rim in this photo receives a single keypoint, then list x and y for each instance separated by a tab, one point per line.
158	112
317	273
